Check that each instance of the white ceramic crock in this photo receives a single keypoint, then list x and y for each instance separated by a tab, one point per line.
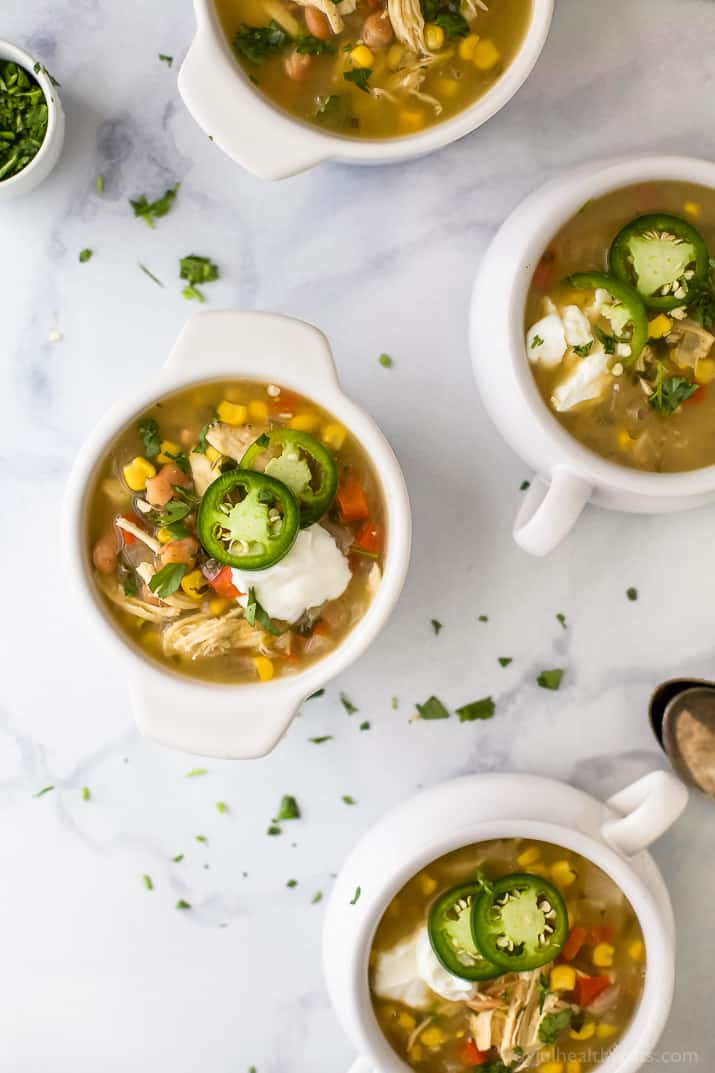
217	719
478	807
49	152
272	144
567	474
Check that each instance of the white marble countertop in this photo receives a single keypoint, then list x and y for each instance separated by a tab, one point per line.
98	972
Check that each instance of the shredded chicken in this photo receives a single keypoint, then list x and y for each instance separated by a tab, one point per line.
201	636
333	12
183	603
131	604
408	23
510	1017
140	534
202	471
692	342
233	440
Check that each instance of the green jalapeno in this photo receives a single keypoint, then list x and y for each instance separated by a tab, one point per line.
449	928
302	463
520	923
627	309
663	257
248	520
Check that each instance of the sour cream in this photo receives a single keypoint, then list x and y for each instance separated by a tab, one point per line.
313	571
411	971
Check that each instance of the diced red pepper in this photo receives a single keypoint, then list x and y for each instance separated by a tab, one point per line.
351	499
285	403
576	939
369	538
470	1055
589	988
601	933
223	584
697	396
129	538
545	272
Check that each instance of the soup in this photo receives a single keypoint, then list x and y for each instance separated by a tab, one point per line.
368	69
509	954
619	327
236	531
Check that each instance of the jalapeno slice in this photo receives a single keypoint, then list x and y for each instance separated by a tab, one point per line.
663	257
302	463
627	309
450	933
520	923
248	520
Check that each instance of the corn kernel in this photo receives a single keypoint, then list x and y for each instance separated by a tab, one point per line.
219	604
137	473
428	885
257	410
551	1067
704	370
486	55
659	326
528	856
624	439
602	956
212	454
573	1066
605	1031
446	87
362	56
406	1021
415	1053
412	119
467	46
304	422
232	413
562	873
168	452
394	56
432	1037
562	978
264	668
691	208
334	436
164	535
636	949
434	37
584	1032
194	584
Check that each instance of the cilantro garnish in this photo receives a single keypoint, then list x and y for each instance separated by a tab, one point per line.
386	361
23	118
536	341
436	625
45	790
453	24
99	184
259	43
560	617
356	896
609	341
274	830
196	269
314	696
359	76
504	661
348	800
149	431
308	45
584	350
524	485
484	618
433	708
221	807
85	255
348	705
288	809
130	587
292	883
203	444
151	211
365	725
550	679
86	795
670	392
181	904
554	1024
632	593
177	858
195	772
702	306
478	709
317	897
151	275
168	60
148	882
167	580
321	739
255	614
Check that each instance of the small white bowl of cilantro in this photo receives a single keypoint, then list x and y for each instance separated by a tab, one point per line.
32	122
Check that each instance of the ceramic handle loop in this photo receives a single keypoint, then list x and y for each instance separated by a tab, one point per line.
647	808
549	511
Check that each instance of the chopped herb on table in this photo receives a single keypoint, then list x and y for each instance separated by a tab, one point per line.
99	183
550	679
365	725
196	771
45	790
318	693
85	255
317	897
221	807
632	593
561	618
348	705
288	809
179	857
23	118
359	76
148	882
524	485
478	709
195	269
356	896
151	211
321	739
348	800
274	829
202	838
484	618
432	709
504	661
86	795
292	883
181	904
151	275
386	361
395	703
168	60
436	625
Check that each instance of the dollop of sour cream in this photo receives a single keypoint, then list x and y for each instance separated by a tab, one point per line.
313	571
411	970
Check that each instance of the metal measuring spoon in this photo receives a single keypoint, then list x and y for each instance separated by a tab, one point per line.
682	712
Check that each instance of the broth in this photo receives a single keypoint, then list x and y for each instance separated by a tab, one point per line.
157	476
362	78
655	410
604	949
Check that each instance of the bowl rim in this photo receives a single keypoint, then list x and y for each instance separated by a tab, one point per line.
650	1014
593	179
331	396
442	133
12	52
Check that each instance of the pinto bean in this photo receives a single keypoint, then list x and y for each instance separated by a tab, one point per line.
297	66
377	30
104	552
179	551
159	489
317	24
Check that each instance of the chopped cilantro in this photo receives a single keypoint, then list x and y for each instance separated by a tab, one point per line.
45	790
395	703
386	361
259	43
181	904
560	617
554	1024
86	795
478	709
348	705
433	708
202	838
151	275
670	392
255	614
321	739
85	255
177	858
130	587
453	23
99	183
550	679
274	830
196	269
632	593
356	896
484	618
536	341
167	580
317	897
314	696
292	883
584	350
23	118
359	76
149	431
168	60
288	809
309	45
524	485
609	341
365	725
202	444
221	807
348	800
148	882
505	660
151	211
195	772
436	625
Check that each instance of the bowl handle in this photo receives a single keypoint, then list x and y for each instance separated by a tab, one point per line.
252	132
279	346
550	511
237	723
646	809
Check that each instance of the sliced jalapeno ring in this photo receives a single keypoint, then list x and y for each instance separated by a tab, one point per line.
521	923
663	257
301	462
248	520
627	309
449	928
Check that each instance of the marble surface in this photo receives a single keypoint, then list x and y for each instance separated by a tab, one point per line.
98	972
